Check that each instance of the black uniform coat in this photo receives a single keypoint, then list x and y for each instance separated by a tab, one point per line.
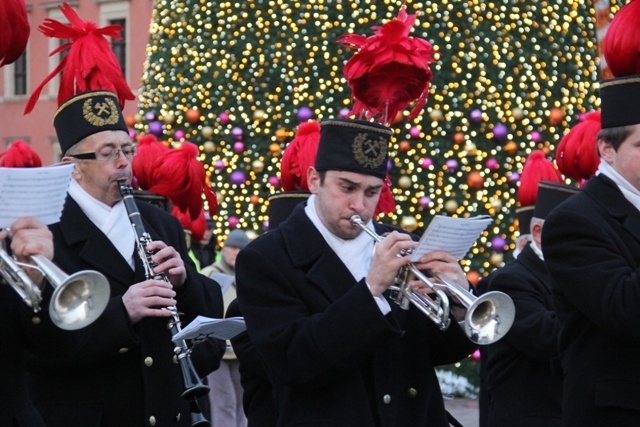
16	409
523	388
332	357
591	245
122	374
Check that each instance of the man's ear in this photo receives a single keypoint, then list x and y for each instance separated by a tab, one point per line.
313	180
605	150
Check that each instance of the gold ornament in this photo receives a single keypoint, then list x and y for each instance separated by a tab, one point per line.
257	166
409	223
209	147
451	206
404	182
169	118
207	132
436	115
518	114
496	258
259	115
496	204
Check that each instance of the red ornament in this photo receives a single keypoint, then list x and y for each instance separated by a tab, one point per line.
475	180
193	116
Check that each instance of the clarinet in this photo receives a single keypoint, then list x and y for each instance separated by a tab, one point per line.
194	388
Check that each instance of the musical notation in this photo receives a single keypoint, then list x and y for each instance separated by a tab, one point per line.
455	236
36	192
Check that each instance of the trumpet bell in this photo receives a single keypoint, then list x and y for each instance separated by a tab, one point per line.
489	318
79	300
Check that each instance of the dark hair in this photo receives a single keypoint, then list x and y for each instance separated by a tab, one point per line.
614	136
322	175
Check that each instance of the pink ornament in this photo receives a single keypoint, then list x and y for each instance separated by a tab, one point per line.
265	225
179	134
476	355
237	178
274	181
344	113
426	163
492	163
219	165
514	177
452	165
132	134
238	146
223	118
535	136
414	131
476	116
233	221
425	201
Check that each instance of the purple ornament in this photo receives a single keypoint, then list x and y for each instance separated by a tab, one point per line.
389	165
492	163
425	201
219	165
344	113
237	133
498	244
132	134
476	116
426	163
150	116
179	134
265	225
237	178
223	118
304	114
535	136
452	165
414	131
500	132
155	128
238	146
514	177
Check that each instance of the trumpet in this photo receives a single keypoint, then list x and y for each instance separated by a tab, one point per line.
77	301
488	318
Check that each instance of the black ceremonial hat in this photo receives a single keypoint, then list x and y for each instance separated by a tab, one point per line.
85	114
620	101
353	145
282	204
550	195
524	215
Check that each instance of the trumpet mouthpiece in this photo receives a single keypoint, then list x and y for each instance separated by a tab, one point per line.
356	220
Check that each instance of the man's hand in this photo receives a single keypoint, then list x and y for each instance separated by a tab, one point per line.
30	237
148	299
168	262
386	263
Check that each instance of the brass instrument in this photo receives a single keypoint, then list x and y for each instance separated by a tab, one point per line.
194	388
77	301
488	318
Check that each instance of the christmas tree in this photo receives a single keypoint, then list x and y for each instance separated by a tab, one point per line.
237	78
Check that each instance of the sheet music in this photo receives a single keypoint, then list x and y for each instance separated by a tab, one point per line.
36	192
452	235
224	280
202	327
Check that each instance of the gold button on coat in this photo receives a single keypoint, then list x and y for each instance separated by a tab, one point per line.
148	361
152	420
123	350
386	398
35	320
412	392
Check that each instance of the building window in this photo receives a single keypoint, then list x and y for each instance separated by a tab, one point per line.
20	75
120	46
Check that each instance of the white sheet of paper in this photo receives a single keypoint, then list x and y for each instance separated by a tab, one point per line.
224	280
202	327
36	192
452	235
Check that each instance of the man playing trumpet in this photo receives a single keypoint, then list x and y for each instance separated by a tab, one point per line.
314	295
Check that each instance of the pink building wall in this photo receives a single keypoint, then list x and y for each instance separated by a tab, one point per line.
37	127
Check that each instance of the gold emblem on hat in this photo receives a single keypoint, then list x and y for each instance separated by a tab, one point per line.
100	113
369	153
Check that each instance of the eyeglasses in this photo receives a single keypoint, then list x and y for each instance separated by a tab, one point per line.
107	154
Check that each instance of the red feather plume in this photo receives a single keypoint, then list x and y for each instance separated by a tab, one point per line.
386	203
621	46
299	156
179	175
149	150
389	71
577	153
537	168
197	226
15	30
20	155
89	64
